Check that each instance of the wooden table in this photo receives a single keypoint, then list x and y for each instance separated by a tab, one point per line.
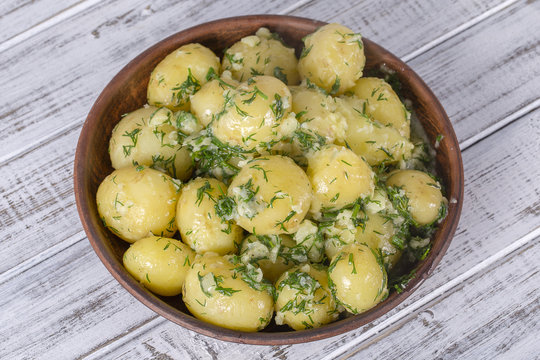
480	57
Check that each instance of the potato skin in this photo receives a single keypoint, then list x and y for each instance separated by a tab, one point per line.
200	227
383	104
424	194
215	293
260	54
210	99
333	58
331	170
179	75
136	202
304	300
159	263
370	139
357	278
257	115
268	202
148	136
319	112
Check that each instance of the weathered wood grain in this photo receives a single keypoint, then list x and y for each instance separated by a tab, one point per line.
87	42
17	16
488	72
496	312
504	160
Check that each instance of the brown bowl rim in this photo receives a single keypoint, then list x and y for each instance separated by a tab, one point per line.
424	269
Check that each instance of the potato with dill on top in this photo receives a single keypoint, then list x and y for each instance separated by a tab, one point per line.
332	170
222	291
357	278
369	138
136	202
159	263
383	104
319	112
257	115
332	58
201	227
179	75
421	193
304	300
210	99
261	54
272	195
151	136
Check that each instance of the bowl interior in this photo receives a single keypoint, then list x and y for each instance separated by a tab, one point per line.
127	92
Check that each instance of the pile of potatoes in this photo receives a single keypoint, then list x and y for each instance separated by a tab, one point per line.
263	186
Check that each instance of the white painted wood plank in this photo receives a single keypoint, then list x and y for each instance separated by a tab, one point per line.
488	72
505	160
494	315
43	105
17	16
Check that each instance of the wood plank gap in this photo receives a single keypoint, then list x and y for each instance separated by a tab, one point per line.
293	7
435	294
437	41
465	144
102	350
45	24
42	256
41	141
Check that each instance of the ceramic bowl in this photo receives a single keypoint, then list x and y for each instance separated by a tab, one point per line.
127	92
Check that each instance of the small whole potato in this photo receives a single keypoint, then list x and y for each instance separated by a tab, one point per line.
268	202
303	299
231	295
136	202
333	58
424	194
261	54
199	224
331	170
159	263
179	75
357	278
149	136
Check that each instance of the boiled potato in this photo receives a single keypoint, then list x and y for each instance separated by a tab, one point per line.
136	202
368	138
319	113
333	58
357	278
273	195
274	254
423	193
208	102
179	75
159	263
377	234
149	136
200	227
233	296
257	115
383	104
303	299
331	170
260	54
